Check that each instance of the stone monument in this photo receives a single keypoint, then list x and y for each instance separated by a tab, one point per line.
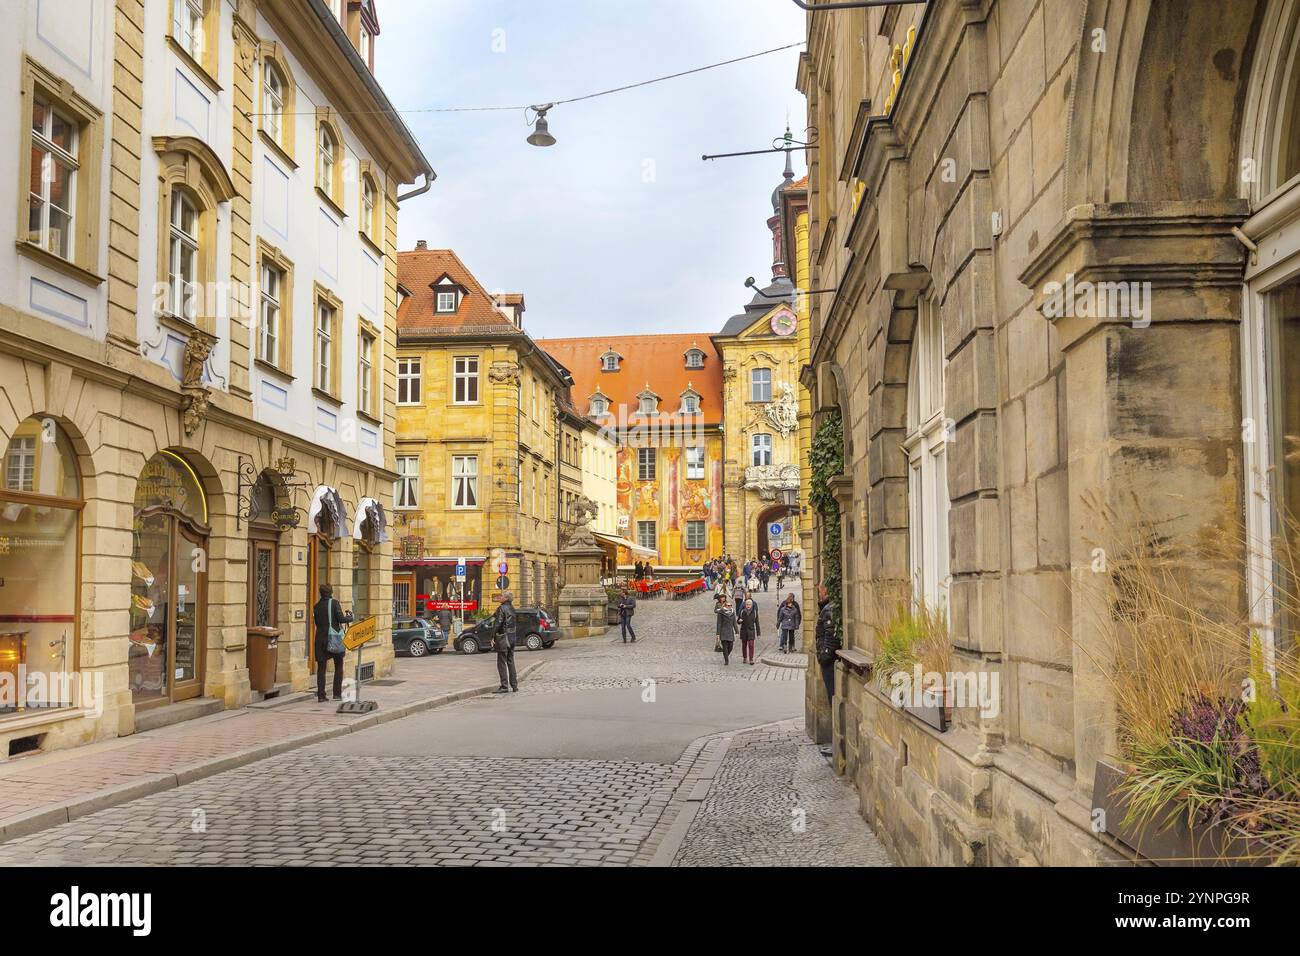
582	598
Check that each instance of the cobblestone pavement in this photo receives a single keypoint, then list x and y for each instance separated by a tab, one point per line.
320	806
776	802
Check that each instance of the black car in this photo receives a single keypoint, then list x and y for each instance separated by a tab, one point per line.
417	637
534	629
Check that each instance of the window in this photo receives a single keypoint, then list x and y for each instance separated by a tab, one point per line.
365	372
645	464
927	470
760	446
646	535
406	491
369	205
53	179
695	461
273	102
464	481
325	315
183	257
20	463
649	404
690	404
695	359
365	45
326	160
187	27
609	362
408	381
760	385
268	339
446	302
465	380
695	535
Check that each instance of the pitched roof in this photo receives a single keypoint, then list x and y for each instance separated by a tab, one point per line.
657	360
763	301
417	270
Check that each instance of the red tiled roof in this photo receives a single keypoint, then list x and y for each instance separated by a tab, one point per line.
659	360
418	270
799	184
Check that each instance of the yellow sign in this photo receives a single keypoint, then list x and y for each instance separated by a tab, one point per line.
360	633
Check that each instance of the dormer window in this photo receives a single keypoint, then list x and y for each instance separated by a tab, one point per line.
690	401
446	301
694	358
648	401
609	361
599	405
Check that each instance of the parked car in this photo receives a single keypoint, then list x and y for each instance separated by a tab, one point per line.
534	629
417	637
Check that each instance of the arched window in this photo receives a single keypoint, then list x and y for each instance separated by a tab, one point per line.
169	564
183	257
327	160
273	96
40	527
926	449
369	209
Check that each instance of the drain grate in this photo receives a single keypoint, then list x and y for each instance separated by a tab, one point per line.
386	682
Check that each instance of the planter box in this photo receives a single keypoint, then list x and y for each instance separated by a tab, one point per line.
1176	844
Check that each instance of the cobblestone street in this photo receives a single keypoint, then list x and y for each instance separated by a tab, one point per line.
604	749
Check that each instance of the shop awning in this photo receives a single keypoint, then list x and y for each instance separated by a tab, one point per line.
370	510
625	543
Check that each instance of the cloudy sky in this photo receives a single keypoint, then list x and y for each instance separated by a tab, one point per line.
619	226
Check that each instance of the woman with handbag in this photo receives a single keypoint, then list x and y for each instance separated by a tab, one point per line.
726	629
329	619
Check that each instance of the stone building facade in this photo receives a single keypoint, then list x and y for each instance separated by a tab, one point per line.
978	161
480	448
197	398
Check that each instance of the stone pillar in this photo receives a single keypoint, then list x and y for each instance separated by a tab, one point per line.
582	598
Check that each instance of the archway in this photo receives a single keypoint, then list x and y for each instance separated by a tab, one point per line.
767	536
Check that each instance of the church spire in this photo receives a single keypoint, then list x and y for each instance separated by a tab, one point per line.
779	270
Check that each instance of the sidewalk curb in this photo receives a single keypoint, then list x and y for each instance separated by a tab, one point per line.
700	784
44	818
772	663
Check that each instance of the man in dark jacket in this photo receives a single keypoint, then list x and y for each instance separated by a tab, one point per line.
828	639
444	622
748	626
626	608
504	644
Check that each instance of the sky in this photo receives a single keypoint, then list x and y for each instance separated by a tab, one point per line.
619	227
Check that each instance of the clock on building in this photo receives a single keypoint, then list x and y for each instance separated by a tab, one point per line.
783	323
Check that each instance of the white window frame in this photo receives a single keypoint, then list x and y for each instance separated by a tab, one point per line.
187	26
465	372
599	406
926	447
20	464
760	386
182	281
54	155
694	462
365	370
446	302
365	45
609	362
690	404
409	375
325	332
647	404
273	86
647	464
694	358
464	482
406	493
326	156
760	449
272	297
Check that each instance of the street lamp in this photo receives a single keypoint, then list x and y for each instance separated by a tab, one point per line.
541	135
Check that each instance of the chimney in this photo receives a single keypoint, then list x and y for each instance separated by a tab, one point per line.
421	244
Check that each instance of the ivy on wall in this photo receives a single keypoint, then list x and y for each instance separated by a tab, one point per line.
827	460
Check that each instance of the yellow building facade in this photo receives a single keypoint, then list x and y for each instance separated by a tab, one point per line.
479	445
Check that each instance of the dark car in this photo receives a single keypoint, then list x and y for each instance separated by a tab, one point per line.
417	637
534	629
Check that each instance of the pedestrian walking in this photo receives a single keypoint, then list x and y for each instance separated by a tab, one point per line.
747	624
726	628
329	619
789	616
626	608
503	642
763	574
444	622
638	571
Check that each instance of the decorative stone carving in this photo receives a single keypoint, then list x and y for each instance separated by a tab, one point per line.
585	511
504	373
194	403
783	412
771	480
728	371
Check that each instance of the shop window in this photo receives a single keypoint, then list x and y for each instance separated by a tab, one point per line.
168	580
40	524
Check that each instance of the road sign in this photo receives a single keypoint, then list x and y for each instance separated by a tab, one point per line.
460	570
503	569
503	582
775	529
776	554
360	633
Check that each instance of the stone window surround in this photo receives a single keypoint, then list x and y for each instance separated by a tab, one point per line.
270	53
332	192
323	296
368	330
417	377
273	256
205	68
90	144
371	232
